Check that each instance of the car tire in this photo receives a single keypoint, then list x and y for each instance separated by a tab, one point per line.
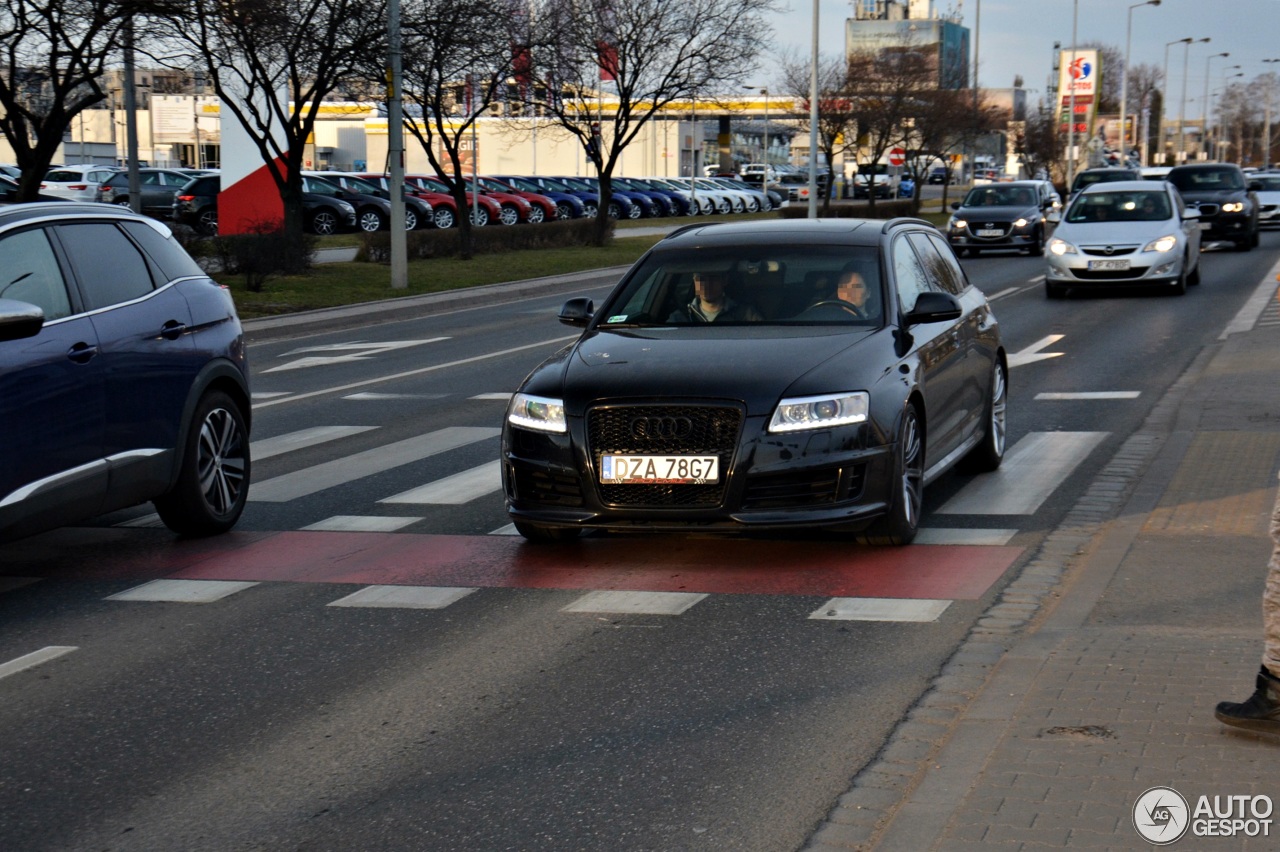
541	534
1036	249
1255	239
987	456
371	220
564	211
207	222
537	215
213	480
902	522
444	218
509	215
324	223
1194	278
410	218
1180	283
1244	244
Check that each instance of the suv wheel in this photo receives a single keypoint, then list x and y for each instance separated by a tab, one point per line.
207	222
213	482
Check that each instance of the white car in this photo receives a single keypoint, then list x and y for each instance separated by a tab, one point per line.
78	183
1124	233
1268	198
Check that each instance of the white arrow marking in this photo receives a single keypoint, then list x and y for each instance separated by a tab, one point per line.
352	352
1032	353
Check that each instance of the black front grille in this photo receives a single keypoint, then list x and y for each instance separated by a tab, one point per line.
821	487
1111	251
1109	274
664	430
535	485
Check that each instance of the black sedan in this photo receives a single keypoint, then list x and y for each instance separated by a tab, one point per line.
1227	201
1001	216
762	376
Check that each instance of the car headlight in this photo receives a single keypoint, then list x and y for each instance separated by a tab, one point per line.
1061	247
819	412
1233	207
1165	243
958	224
537	412
1019	223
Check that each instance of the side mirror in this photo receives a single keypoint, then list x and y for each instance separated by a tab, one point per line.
1054	215
955	205
1190	213
19	320
577	312
933	307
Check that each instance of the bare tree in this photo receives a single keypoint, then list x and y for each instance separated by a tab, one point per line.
837	122
55	54
305	50
943	123
457	56
1146	84
1041	146
646	54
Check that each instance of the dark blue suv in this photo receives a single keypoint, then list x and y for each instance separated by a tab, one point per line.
123	374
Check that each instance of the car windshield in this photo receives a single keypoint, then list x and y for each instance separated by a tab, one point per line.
777	285
1206	180
1269	184
1001	196
1138	206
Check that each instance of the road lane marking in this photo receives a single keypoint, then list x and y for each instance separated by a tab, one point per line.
404	597
971	538
635	603
35	658
1032	353
1029	474
454	490
1090	395
368	396
303	438
556	341
361	523
314	479
505	397
183	591
880	609
349	352
1003	293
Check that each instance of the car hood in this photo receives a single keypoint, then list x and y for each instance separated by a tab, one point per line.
1269	196
1114	233
997	214
754	365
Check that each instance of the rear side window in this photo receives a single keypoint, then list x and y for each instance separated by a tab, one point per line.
29	272
109	266
164	251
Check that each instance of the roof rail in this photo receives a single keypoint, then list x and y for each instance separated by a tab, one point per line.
689	227
905	220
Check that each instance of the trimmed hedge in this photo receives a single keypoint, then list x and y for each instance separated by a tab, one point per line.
491	239
885	209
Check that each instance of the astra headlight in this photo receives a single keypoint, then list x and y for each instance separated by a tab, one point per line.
1061	247
1233	207
1165	243
537	412
819	412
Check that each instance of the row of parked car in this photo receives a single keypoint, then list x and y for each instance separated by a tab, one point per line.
336	201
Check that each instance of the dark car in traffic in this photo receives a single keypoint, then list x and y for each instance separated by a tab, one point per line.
1226	198
1010	215
121	382
809	407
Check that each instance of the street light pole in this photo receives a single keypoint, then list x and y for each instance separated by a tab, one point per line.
1071	100
1182	107
1204	105
813	121
1164	97
1266	126
764	154
1124	76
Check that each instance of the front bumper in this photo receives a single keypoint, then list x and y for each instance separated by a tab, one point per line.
1226	226
1145	267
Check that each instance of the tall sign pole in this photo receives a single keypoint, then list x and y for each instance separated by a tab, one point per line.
395	151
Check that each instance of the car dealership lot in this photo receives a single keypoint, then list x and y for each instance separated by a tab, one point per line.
544	704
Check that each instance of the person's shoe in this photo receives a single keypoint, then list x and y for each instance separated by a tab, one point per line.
1261	712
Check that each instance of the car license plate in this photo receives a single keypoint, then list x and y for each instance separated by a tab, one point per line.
990	232
652	470
1108	265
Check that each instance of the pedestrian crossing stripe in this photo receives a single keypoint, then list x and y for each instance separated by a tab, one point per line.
635	603
404	597
182	591
880	609
362	523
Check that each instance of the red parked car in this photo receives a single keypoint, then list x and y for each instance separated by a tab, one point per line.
488	210
444	210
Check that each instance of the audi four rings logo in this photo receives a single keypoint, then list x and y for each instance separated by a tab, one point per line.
661	427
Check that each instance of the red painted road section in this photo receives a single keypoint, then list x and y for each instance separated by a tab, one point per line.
660	564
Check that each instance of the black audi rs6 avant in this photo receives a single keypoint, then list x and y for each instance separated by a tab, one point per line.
765	375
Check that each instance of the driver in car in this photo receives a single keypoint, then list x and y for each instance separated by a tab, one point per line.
711	303
853	296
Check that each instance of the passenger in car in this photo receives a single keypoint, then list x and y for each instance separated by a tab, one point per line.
711	303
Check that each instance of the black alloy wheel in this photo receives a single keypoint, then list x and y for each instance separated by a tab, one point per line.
902	522
213	482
